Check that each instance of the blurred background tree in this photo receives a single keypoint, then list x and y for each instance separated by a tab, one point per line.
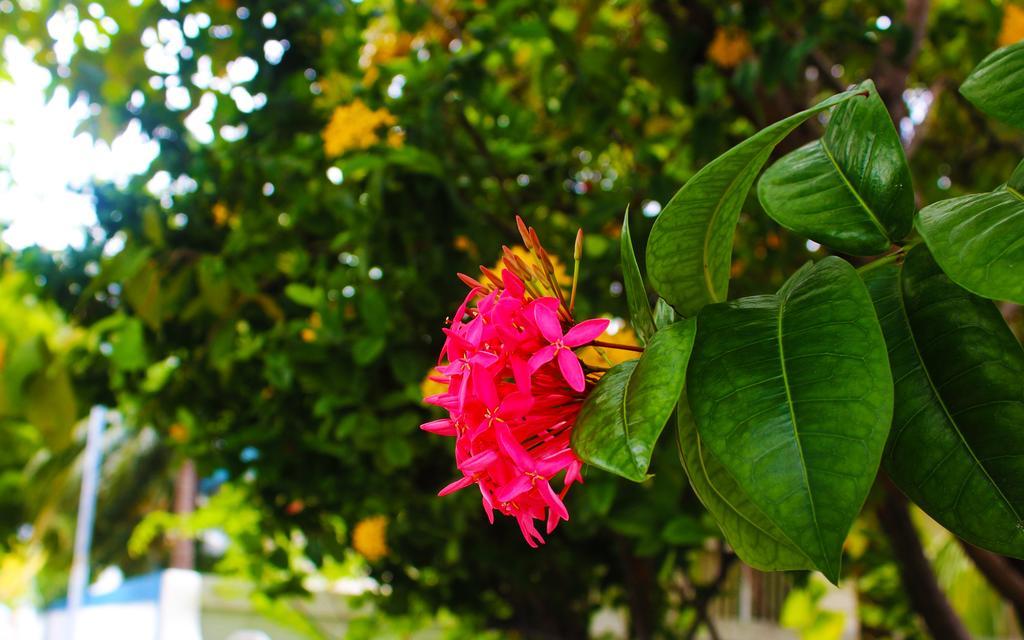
266	298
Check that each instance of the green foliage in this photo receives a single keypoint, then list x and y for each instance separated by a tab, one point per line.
690	249
802	613
272	313
624	415
995	85
956	447
979	239
850	190
636	292
756	539
792	395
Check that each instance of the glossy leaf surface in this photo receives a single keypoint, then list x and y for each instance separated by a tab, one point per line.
996	86
756	540
689	251
623	416
792	394
957	441
979	239
640	314
851	190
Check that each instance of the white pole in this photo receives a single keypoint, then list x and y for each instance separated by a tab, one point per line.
79	578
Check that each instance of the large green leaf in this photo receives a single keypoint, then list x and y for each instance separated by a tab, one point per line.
979	239
957	441
996	86
852	189
636	293
690	247
664	314
625	413
756	540
792	394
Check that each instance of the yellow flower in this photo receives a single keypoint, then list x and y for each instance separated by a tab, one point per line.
382	44
355	126
396	137
431	387
729	47
606	357
221	214
18	569
1013	25
369	537
465	244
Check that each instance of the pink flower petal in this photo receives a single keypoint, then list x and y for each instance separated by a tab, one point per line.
485	359
515	405
553	520
483	386
552	500
463	390
529	530
585	331
442	427
542	357
572	474
478	463
520	456
512	490
571	369
488	502
552	464
457	344
521	372
440	400
461	483
513	285
547	322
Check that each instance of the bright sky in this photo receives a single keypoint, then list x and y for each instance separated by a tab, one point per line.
45	168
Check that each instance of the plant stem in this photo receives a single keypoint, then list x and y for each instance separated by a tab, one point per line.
884	260
612	345
577	255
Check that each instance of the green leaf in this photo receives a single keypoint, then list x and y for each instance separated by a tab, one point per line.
367	349
128	346
978	239
756	540
303	294
957	442
996	86
625	413
664	314
792	394
850	190
690	247
636	293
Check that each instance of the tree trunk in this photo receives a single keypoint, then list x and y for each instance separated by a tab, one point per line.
926	597
183	554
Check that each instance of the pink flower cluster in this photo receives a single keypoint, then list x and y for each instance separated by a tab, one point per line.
515	387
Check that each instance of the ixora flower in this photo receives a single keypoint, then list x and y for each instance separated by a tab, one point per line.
513	386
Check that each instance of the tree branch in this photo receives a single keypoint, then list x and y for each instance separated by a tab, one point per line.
704	595
891	72
1001	574
926	597
485	153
